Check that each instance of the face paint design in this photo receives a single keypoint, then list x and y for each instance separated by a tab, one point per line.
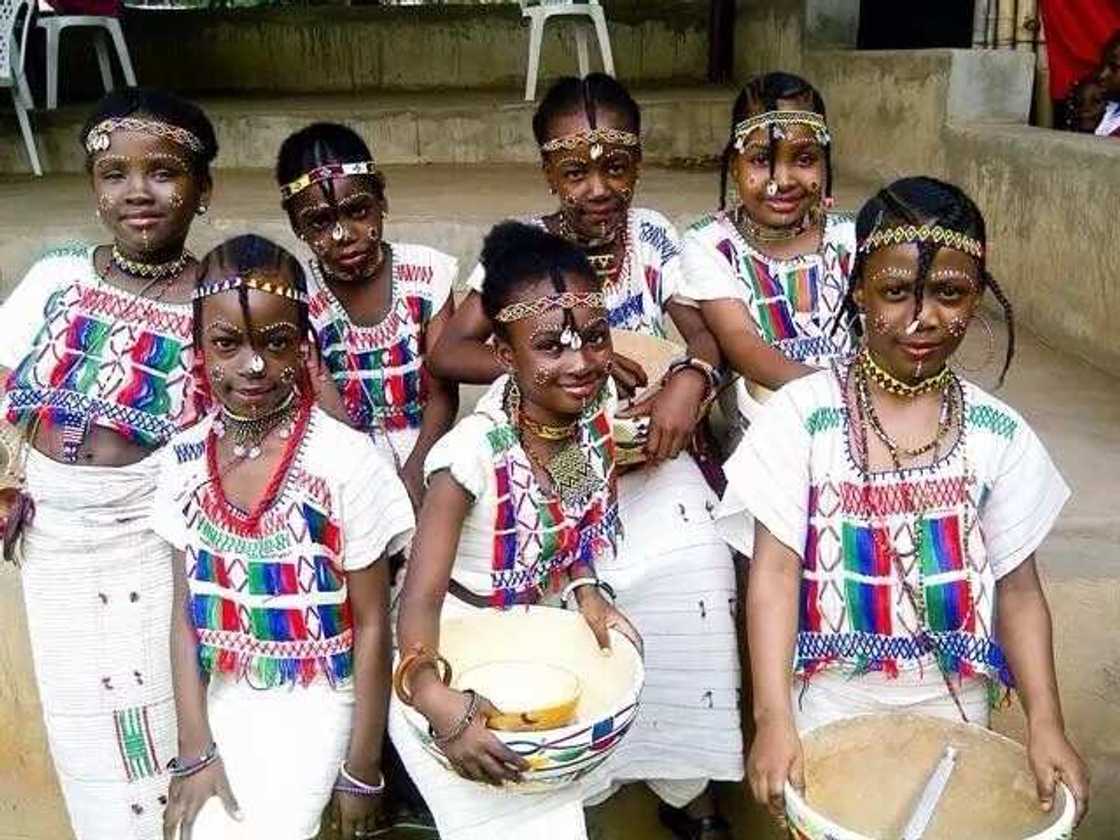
957	327
881	325
217	373
288	375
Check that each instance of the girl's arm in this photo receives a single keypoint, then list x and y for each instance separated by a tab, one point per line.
439	413
477	754
1024	631
746	352
772	588
187	795
462	354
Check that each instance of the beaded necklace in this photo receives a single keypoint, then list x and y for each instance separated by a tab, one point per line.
248	433
607	267
149	271
892	385
754	232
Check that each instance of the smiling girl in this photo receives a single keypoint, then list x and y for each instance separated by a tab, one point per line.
96	345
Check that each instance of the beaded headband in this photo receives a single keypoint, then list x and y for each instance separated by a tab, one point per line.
781	119
595	138
250	282
325	173
903	234
98	139
531	308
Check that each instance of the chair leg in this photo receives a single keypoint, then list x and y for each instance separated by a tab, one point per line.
581	50
604	39
536	35
52	65
101	45
25	129
114	27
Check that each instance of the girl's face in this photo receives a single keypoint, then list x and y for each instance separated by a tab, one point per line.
1088	107
886	295
799	171
556	378
147	193
345	231
595	194
1109	74
252	366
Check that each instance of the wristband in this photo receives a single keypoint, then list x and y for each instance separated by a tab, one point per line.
464	722
420	655
347	782
579	582
180	768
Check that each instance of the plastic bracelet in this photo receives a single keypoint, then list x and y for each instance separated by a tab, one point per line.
420	655
602	585
464	722
180	769
347	782
711	375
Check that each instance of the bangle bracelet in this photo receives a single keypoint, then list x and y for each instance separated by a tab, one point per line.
579	582
347	782
420	655
710	374
464	722
180	768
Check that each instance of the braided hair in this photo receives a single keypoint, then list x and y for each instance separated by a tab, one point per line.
319	144
572	95
924	201
515	255
761	94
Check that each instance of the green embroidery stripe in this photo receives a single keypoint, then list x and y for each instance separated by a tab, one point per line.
992	419
220	542
132	738
824	419
501	438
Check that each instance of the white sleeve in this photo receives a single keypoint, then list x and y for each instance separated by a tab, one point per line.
768	479
462	451
375	511
1023	502
165	514
707	273
672	273
23	314
444	277
477	278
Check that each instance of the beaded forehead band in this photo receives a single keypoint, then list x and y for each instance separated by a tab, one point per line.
250	282
595	138
565	300
780	120
326	172
903	234
99	136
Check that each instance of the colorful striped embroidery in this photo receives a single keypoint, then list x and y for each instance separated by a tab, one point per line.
867	554
134	739
987	417
824	419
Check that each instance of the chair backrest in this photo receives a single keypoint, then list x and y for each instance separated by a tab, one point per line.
15	21
525	4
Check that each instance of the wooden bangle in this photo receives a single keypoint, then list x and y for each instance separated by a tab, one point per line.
419	655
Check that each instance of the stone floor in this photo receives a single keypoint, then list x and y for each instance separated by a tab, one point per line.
1074	407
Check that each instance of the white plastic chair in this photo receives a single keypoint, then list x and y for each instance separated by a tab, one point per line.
53	24
540	11
13	50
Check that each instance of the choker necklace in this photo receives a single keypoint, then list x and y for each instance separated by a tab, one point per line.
547	432
945	419
892	385
149	271
248	433
565	229
754	232
605	265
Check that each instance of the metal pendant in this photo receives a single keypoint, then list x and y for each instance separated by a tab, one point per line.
256	364
338	232
771	188
596	151
571	339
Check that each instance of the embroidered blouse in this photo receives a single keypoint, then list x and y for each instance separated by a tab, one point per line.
268	599
517	540
982	509
379	369
650	277
794	303
82	351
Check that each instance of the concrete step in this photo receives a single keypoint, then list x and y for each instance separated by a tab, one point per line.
447	206
402	128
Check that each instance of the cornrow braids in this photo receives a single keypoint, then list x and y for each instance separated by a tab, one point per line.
759	95
917	201
319	144
593	93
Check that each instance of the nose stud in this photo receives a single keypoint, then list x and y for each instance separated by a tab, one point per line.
338	232
771	188
256	364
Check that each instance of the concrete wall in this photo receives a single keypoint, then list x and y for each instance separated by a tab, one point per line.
332	48
768	36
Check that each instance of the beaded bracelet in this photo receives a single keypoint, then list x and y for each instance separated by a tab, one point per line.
420	655
711	375
464	722
347	782
180	769
602	585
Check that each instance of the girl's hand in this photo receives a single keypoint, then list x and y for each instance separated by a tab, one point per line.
628	375
775	757
601	616
187	795
476	754
355	817
1052	757
673	412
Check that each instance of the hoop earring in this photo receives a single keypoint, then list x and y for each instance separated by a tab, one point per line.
991	352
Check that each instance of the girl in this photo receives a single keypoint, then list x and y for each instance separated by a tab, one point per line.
280	517
377	307
771	273
96	354
894	511
673	575
502	464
